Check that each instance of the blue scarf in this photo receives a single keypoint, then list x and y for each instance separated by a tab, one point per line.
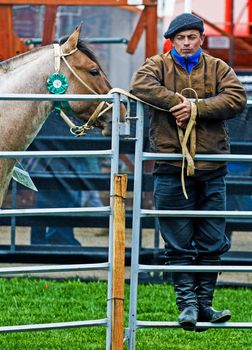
187	62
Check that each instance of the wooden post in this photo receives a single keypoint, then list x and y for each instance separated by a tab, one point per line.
120	185
147	22
151	47
6	25
49	24
138	32
11	45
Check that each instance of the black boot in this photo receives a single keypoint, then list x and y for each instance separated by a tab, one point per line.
186	299
205	291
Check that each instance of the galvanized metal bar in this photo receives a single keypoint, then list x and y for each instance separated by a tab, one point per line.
209	157
58	325
55	154
13	218
196	213
194	268
157	324
52	268
55	211
114	170
48	97
136	222
37	41
107	40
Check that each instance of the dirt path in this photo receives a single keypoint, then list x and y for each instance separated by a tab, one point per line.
241	241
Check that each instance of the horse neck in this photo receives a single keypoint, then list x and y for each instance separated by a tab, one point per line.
27	73
20	121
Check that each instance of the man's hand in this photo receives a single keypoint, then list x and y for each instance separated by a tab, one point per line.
182	111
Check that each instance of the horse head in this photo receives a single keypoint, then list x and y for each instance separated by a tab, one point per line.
86	76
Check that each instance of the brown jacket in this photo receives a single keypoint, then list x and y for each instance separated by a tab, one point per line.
221	97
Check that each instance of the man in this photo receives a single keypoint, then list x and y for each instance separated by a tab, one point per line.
163	81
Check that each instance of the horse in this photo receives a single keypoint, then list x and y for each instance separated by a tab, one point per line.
54	68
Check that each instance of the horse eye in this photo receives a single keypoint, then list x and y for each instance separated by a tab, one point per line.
94	72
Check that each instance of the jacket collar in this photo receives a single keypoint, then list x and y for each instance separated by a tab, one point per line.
189	62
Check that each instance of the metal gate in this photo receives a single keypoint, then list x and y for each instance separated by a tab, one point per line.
139	213
113	155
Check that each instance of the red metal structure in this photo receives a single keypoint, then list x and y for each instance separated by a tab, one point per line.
239	52
12	45
249	17
237	55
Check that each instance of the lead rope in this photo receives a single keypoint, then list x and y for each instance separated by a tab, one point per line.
183	138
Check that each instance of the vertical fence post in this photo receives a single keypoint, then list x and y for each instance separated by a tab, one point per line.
136	226
118	267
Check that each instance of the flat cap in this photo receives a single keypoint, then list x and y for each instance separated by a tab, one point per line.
184	22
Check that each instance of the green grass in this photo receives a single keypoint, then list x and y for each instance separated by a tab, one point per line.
27	301
160	306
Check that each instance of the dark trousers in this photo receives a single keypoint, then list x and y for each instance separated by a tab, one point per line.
56	234
190	238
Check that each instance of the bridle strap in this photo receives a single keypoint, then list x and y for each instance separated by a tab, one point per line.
92	121
76	75
56	58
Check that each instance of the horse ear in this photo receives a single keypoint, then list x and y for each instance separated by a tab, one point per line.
72	41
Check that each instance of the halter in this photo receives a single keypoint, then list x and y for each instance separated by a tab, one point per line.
58	84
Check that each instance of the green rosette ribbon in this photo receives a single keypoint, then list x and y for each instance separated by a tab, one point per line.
57	84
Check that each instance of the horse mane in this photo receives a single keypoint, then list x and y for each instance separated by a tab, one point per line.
84	47
11	63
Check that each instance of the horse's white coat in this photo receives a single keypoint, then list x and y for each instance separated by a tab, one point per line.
20	121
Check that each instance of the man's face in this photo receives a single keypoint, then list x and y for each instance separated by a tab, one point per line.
188	42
